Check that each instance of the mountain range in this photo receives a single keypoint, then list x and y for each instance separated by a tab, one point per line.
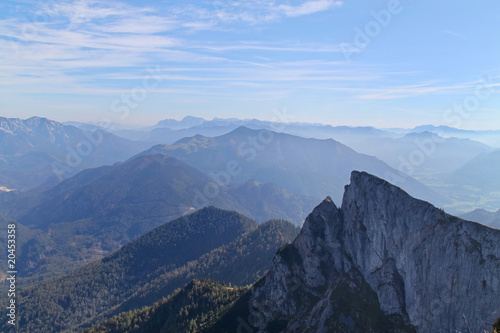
381	262
38	151
211	242
192	234
99	210
438	157
259	173
348	135
431	154
308	166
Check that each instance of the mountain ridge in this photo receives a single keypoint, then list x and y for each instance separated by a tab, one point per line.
309	166
417	268
39	151
97	211
210	242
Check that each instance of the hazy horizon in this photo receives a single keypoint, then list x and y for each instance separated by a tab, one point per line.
104	123
387	64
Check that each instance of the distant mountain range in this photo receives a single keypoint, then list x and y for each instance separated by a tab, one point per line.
424	154
38	151
186	122
99	210
430	154
489	137
171	130
308	166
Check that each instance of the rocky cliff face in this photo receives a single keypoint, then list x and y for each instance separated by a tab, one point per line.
382	262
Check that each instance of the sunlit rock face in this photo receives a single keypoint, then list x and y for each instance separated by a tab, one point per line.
382	262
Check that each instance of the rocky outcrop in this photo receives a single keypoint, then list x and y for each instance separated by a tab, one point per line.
382	262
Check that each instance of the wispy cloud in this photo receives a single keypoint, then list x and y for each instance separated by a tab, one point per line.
309	7
84	30
289	47
84	40
425	88
454	34
253	12
84	11
84	45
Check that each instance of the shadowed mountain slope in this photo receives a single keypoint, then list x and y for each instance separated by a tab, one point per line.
211	242
313	167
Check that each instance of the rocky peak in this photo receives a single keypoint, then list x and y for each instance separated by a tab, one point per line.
384	214
383	262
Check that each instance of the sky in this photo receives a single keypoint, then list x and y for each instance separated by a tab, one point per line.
354	62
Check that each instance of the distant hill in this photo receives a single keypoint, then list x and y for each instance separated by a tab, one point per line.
491	219
186	122
98	210
489	137
481	172
15	204
223	245
144	188
422	155
171	186
38	151
308	166
476	184
163	135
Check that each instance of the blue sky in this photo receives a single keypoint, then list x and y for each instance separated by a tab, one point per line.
379	63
